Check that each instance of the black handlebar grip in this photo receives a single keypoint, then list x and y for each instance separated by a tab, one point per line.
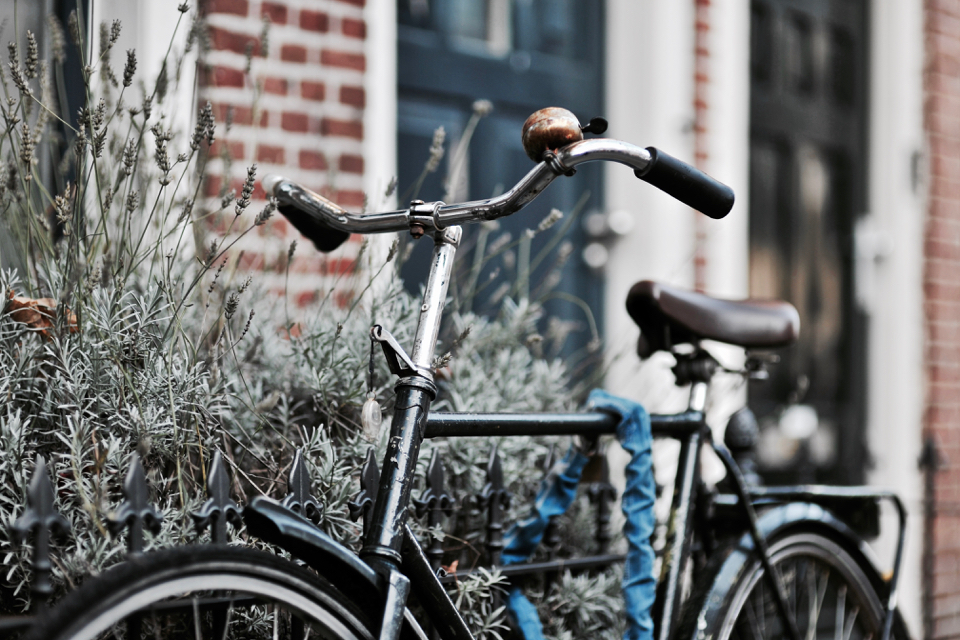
687	184
325	238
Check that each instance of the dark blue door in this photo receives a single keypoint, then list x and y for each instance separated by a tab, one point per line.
520	55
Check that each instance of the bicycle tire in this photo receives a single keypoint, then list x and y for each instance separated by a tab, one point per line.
829	586
184	591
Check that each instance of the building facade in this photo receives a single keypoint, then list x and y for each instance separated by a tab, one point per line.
879	289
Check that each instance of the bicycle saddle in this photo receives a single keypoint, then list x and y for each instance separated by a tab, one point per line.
668	316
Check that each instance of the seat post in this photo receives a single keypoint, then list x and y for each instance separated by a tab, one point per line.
698	396
697	370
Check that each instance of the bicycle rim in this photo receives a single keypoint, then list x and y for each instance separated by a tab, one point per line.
205	593
828	593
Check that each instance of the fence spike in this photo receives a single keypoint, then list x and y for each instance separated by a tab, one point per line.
495	499
299	499
42	520
602	494
551	535
219	508
135	512
362	503
436	504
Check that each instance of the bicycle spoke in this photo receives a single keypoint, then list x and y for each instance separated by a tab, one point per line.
226	624
841	610
816	592
196	619
848	632
752	620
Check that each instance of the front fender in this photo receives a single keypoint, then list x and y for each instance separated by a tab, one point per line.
272	522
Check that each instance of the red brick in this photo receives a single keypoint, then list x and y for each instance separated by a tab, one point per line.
305	298
353	96
241	115
314	21
312	160
291	121
293	53
353	28
357	3
351	164
237	7
279	227
942	290
312	90
224	40
339	266
943	332
937	247
308	264
275	85
271	154
276	12
234	147
342	128
343	59
212	185
227	77
944	166
349	198
947	189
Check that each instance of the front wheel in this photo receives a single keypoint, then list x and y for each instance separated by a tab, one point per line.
205	592
831	592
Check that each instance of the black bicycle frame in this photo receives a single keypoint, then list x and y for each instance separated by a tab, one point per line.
390	545
390	548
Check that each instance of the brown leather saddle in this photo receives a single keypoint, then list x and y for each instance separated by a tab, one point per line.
668	316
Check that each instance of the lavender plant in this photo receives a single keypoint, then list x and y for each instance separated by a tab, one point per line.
144	335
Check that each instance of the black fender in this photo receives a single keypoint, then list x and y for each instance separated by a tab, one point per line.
703	610
781	518
272	522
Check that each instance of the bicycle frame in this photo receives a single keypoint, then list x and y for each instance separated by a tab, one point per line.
390	547
396	561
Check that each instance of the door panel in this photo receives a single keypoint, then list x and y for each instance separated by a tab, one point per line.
808	123
521	55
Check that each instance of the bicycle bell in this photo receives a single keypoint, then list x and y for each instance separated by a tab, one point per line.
548	130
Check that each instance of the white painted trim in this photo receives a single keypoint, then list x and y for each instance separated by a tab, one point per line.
649	101
380	116
895	355
728	145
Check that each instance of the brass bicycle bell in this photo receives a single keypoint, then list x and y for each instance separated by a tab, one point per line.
548	130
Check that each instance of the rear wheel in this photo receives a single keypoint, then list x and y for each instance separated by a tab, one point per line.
205	592
831	592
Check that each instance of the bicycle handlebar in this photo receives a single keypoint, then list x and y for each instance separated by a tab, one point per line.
328	225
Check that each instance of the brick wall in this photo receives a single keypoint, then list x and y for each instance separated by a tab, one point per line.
701	106
942	318
296	111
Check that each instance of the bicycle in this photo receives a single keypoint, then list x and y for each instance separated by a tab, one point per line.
789	564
